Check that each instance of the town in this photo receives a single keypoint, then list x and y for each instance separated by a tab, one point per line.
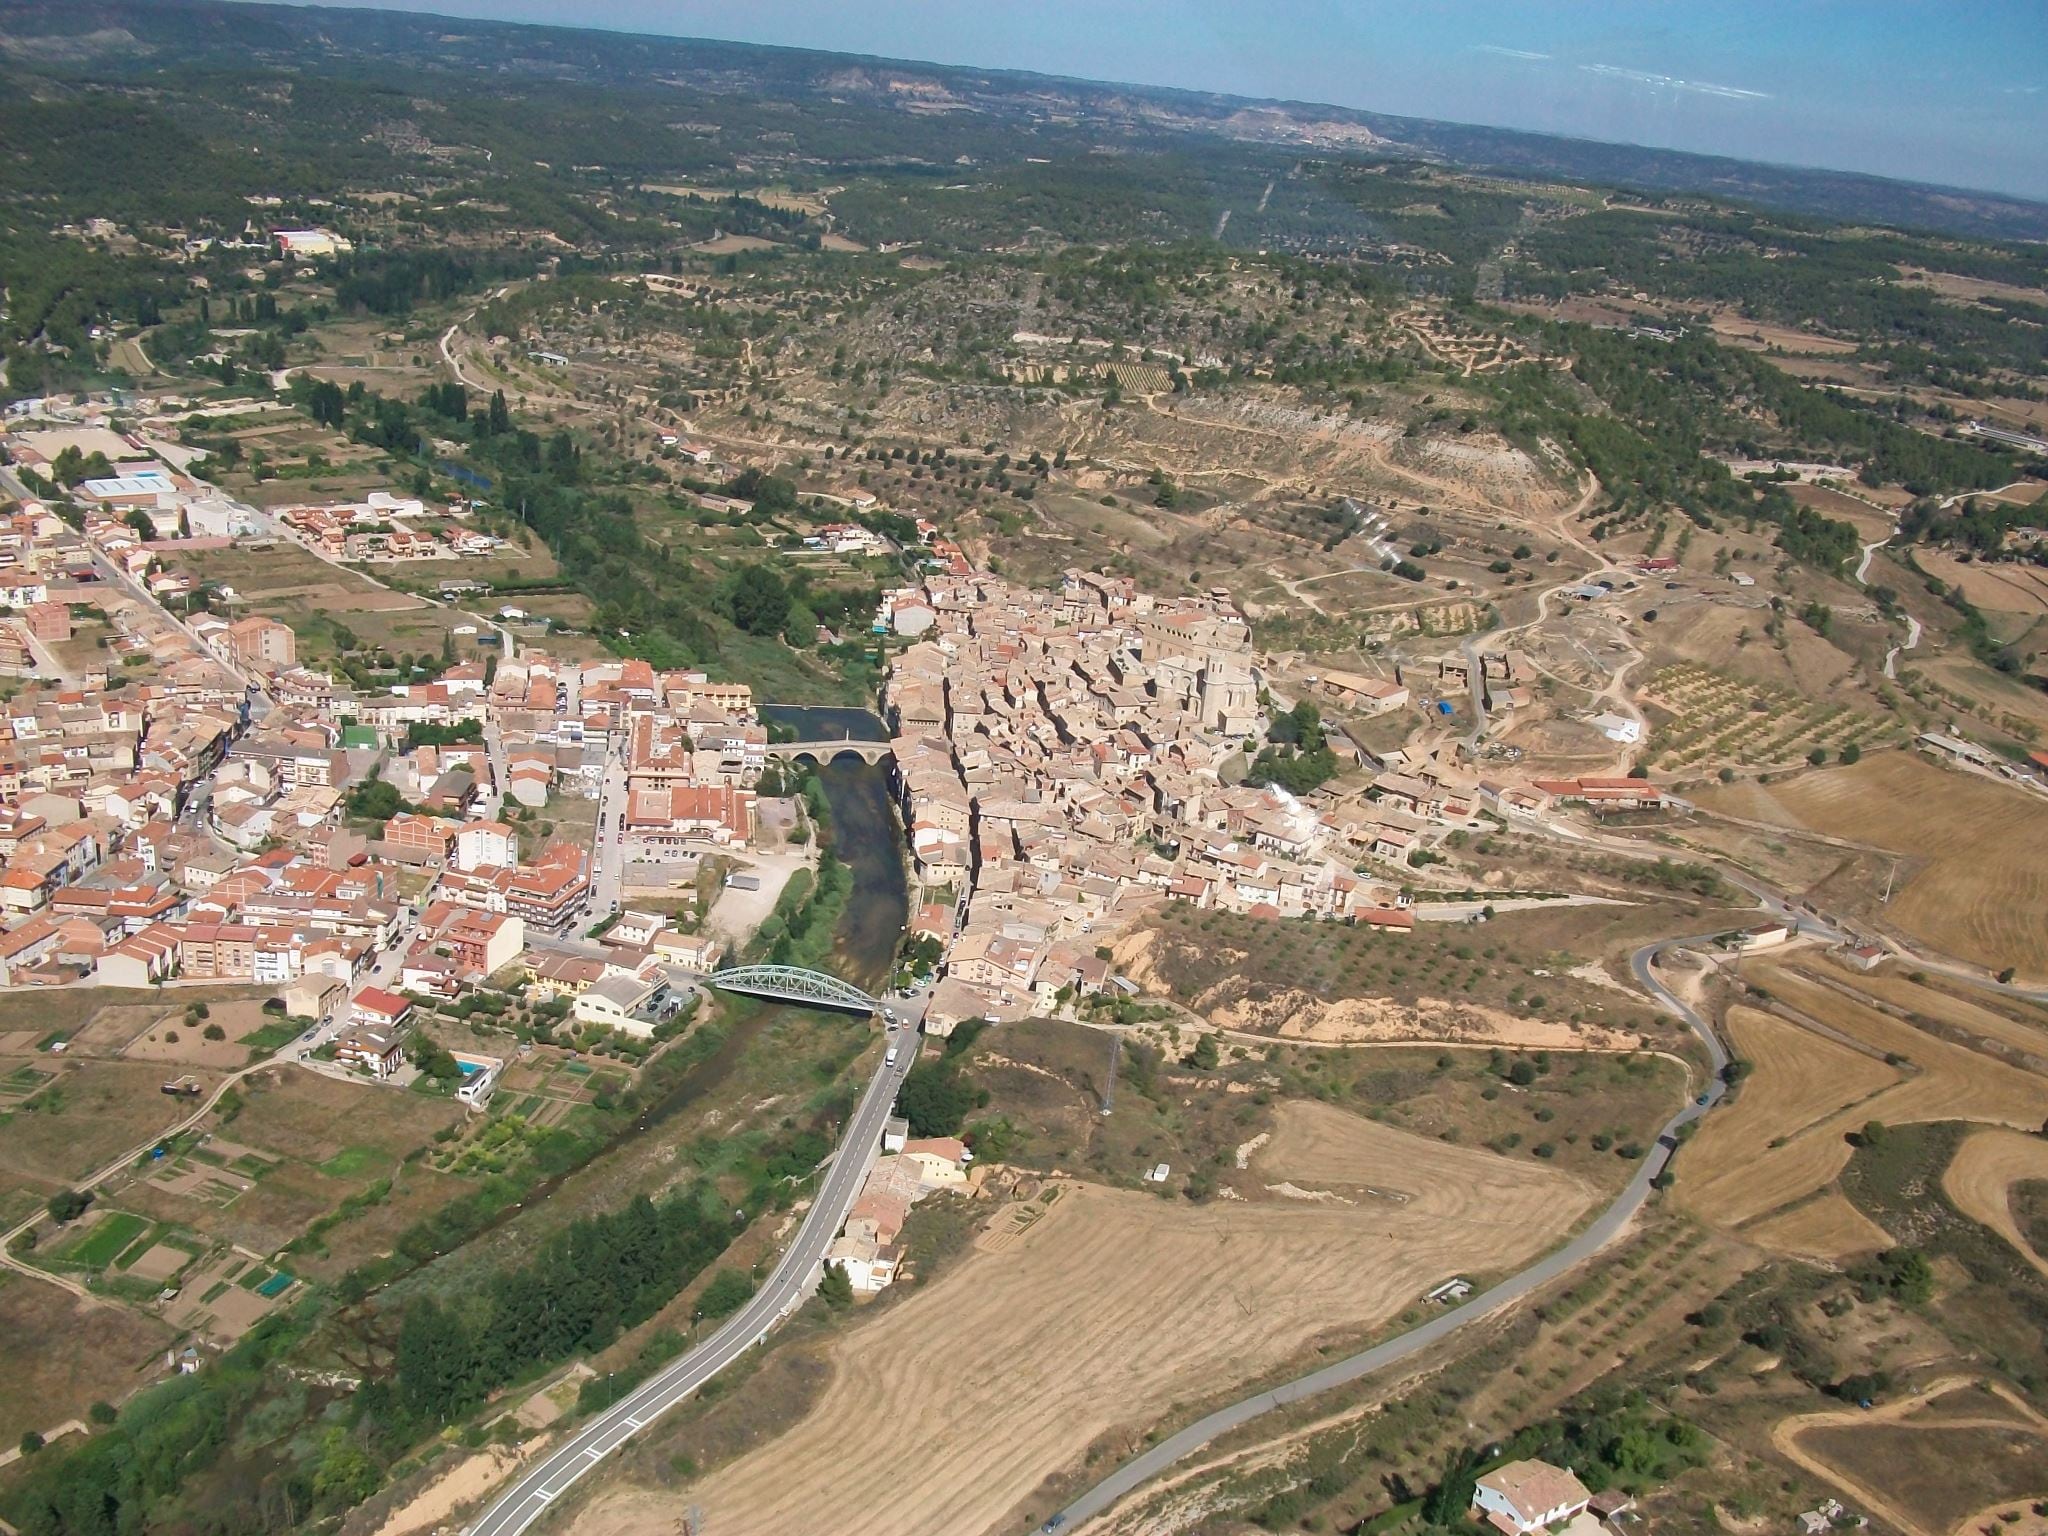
745	789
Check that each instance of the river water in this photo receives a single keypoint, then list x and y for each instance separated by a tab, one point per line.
866	835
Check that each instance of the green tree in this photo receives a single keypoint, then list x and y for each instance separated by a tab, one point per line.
435	1363
346	1475
1446	1504
835	1289
800	628
935	1099
728	1291
1299	726
68	1205
759	602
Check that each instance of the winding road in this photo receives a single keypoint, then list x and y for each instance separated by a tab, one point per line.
792	1280
1605	1228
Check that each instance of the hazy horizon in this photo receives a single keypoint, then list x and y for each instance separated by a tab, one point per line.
1891	88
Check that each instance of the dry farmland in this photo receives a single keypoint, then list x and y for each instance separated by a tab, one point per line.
1827	1227
1761	1164
87	1113
1998	589
1980	1182
1925	1465
1972	881
64	1354
1717	718
1106	1313
291	584
1773	1145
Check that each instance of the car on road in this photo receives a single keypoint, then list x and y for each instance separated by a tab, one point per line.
889	1060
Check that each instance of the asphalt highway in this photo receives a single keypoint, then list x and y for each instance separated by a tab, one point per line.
1137	1472
792	1280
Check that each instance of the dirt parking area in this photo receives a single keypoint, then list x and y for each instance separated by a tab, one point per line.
1104	1314
736	914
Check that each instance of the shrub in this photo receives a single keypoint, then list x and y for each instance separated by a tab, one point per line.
68	1204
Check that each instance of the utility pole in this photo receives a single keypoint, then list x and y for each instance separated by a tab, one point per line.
1116	1050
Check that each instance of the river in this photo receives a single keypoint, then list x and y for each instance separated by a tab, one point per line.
866	835
868	838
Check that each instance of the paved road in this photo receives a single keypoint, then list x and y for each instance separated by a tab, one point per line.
526	1500
1135	1473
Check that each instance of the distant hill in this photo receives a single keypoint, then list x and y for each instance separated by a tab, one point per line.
993	113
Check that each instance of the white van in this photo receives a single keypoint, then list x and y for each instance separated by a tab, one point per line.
890	1059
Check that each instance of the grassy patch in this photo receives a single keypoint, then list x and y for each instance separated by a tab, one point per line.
350	1161
269	1038
104	1241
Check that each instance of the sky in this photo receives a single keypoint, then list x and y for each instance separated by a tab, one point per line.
1947	91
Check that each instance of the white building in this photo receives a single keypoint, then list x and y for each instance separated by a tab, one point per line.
622	1003
1619	728
310	242
482	844
1525	1496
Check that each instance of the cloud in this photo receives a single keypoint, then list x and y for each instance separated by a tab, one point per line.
1509	53
1673	83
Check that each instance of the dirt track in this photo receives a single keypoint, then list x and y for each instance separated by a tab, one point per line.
1886	1503
1108	1312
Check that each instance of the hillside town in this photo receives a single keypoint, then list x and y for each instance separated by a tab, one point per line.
186	800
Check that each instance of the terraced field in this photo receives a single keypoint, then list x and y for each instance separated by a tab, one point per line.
1981	1178
1763	1165
1771	1146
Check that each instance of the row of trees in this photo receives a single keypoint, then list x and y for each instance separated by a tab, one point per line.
587	1283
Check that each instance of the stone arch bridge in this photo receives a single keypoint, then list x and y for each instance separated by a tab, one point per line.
826	751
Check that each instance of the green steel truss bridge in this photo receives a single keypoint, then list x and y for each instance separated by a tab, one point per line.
793	984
